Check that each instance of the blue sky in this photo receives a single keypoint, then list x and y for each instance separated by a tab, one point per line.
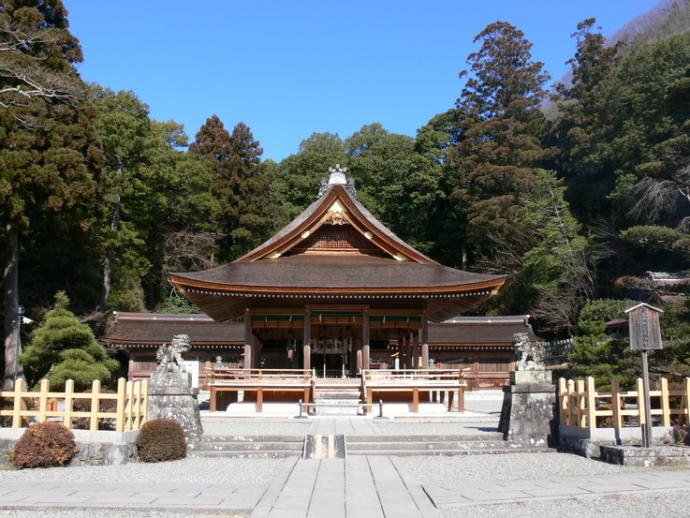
291	68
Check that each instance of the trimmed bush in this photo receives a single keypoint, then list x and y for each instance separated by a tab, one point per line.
161	440
44	445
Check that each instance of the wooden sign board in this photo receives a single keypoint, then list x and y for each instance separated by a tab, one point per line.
645	331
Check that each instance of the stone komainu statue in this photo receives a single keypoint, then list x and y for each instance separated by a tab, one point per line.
529	355
170	356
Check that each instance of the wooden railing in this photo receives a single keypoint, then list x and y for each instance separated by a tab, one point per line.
27	406
442	384
582	406
413	376
220	376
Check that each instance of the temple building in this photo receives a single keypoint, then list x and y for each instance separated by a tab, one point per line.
335	291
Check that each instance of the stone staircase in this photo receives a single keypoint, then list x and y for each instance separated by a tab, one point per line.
336	398
250	446
408	445
282	446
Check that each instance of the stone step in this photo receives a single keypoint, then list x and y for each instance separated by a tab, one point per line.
249	446
438	446
349	394
252	438
262	454
489	436
449	452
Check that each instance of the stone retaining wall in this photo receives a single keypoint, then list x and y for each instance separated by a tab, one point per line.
93	447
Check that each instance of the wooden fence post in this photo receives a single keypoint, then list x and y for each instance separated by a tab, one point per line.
120	409
572	402
17	408
137	410
640	401
616	403
591	403
144	407
95	404
69	403
665	404
581	404
43	401
563	401
128	406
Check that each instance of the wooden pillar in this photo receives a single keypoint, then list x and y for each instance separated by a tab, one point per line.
359	360
405	353
424	339
306	341
365	341
247	340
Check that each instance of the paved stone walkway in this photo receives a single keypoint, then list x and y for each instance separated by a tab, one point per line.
356	487
137	495
559	488
338	425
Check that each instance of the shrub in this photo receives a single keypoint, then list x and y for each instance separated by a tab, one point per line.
161	440
44	445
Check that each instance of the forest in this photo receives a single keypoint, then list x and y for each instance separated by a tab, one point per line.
577	188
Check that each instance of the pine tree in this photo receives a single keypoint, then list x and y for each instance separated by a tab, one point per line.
49	150
63	348
499	148
241	184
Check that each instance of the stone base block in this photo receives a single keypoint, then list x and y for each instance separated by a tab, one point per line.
529	416
530	377
667	455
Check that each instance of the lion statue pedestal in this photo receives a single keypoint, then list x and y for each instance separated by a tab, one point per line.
170	392
530	413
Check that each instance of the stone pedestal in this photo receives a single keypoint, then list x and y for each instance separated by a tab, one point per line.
171	397
529	416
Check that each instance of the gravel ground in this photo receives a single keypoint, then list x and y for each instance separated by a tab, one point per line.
186	471
653	505
254	426
447	471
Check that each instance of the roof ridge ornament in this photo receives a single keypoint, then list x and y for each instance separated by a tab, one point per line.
338	176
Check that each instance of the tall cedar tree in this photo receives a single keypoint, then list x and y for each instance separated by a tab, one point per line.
241	184
499	148
573	129
45	166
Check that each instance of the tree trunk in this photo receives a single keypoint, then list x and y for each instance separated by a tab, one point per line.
110	254
10	285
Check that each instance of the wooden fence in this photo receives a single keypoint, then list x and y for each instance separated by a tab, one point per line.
582	406
129	408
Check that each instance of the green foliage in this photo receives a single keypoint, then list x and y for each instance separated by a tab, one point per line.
598	353
44	445
240	184
674	359
63	348
656	238
498	153
161	440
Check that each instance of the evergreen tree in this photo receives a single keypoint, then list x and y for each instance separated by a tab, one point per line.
577	122
297	178
601	353
48	149
241	184
63	348
499	149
